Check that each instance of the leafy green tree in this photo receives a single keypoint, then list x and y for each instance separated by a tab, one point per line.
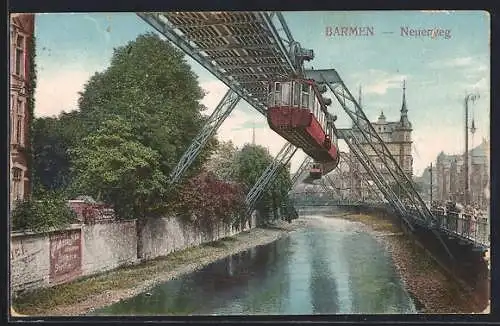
251	162
150	85
52	140
30	89
222	161
49	211
113	166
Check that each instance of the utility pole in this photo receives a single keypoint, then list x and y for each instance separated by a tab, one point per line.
469	97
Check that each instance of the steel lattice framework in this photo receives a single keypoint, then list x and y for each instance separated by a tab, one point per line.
281	160
221	112
302	168
336	85
244	50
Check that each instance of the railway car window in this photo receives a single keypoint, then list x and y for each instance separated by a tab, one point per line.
315	105
270	95
296	94
312	101
305	96
285	94
277	94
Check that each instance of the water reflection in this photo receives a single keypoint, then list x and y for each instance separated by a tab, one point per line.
377	288
322	281
328	269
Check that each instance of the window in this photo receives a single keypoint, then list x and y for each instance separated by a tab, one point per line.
17	191
277	94
305	96
19	122
296	94
286	94
20	45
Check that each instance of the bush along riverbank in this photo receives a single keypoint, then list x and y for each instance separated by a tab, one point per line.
431	288
87	294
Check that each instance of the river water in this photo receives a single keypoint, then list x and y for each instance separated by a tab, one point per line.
330	267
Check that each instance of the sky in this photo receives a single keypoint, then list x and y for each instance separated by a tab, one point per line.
439	71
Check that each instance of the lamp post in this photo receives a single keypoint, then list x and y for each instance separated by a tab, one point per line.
469	97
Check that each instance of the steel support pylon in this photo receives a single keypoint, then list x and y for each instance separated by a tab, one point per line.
305	163
350	161
372	138
370	168
221	112
282	159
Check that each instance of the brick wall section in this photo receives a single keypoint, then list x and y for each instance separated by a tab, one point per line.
107	246
30	261
166	235
104	246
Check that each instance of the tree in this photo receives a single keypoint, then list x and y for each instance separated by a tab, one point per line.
30	89
222	161
114	167
251	162
205	200
52	139
150	85
49	211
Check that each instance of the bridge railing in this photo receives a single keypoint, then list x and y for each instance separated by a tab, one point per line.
465	226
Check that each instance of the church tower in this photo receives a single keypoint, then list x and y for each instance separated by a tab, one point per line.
403	138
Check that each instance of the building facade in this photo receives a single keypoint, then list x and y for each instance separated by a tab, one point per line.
21	34
397	136
449	177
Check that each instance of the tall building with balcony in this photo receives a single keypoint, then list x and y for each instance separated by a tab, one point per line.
397	136
21	33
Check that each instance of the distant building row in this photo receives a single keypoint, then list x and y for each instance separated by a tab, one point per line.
449	180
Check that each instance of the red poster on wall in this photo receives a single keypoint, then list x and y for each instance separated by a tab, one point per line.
65	256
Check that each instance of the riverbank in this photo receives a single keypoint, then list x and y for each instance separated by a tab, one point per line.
432	290
87	294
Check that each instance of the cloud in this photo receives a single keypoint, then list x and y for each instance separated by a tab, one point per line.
378	82
57	89
214	92
459	62
103	32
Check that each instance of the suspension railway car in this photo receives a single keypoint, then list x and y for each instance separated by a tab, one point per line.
298	113
316	171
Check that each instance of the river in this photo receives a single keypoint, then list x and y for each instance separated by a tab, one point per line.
331	267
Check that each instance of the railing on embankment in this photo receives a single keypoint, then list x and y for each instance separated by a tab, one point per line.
466	239
463	226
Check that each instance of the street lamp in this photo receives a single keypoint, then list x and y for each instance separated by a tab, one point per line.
473	98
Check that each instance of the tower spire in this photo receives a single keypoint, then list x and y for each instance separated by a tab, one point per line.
404	110
404	122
